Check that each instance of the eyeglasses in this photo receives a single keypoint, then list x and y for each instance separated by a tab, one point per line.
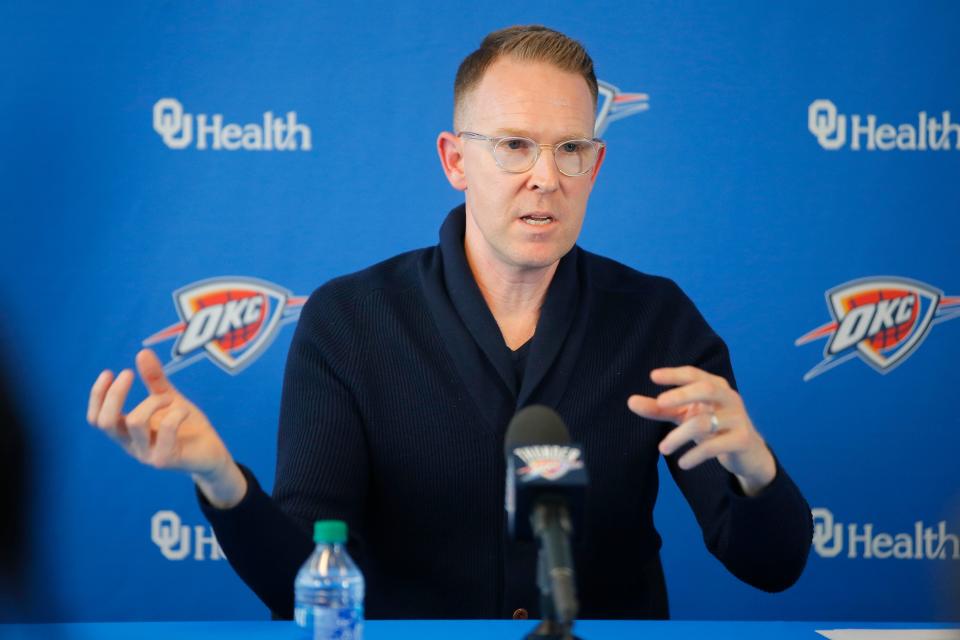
516	154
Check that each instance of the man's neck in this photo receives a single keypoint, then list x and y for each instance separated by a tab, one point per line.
514	295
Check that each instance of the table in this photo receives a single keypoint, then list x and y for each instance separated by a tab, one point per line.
487	630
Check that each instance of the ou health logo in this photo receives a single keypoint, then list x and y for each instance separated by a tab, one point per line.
179	130
231	320
823	122
928	132
174	538
881	319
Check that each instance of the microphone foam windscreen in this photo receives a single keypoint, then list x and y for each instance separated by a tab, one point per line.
535	424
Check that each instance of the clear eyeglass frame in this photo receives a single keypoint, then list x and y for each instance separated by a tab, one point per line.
496	143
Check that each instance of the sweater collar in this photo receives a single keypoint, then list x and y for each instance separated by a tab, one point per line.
473	322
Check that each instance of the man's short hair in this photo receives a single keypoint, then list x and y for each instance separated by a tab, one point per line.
531	43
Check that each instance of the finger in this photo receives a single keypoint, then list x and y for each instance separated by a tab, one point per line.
165	446
696	427
709	448
110	418
648	408
97	391
706	391
683	375
139	418
151	370
138	422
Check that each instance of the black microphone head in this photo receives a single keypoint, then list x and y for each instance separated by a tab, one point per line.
542	464
535	424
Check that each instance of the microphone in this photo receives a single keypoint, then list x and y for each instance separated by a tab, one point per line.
545	478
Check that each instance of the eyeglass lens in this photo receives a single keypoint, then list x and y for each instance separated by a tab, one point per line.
574	157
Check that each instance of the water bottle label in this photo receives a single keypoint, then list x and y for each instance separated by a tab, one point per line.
330	623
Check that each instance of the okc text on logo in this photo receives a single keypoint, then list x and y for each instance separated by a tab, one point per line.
882	319
830	129
550	462
271	134
230	320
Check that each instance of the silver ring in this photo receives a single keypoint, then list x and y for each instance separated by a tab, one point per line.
714	423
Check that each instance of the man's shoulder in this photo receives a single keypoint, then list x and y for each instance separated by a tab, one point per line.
398	272
606	275
393	276
658	308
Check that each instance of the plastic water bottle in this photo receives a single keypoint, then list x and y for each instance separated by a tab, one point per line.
329	588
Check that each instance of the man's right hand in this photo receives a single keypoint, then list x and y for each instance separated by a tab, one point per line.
166	430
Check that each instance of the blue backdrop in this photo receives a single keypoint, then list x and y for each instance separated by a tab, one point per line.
795	171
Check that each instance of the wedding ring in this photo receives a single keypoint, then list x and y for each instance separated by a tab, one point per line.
714	423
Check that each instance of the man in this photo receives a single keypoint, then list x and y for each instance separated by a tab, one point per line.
401	380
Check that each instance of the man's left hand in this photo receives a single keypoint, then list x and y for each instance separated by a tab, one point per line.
712	415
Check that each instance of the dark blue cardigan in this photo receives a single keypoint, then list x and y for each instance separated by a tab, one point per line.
396	397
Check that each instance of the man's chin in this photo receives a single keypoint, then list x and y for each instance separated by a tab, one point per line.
533	261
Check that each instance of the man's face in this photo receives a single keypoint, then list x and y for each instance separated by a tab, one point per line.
524	220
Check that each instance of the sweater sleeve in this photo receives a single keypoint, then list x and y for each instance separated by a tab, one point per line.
263	545
321	470
765	539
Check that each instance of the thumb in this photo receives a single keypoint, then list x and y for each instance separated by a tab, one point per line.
151	371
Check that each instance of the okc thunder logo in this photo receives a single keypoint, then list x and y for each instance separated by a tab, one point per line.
550	462
230	320
882	319
615	105
546	469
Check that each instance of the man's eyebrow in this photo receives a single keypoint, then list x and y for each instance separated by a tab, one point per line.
508	131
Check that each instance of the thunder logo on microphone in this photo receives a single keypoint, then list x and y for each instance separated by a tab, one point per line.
550	462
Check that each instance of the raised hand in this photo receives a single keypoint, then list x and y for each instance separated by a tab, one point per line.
166	430
712	415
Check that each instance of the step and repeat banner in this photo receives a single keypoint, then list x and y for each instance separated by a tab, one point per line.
182	175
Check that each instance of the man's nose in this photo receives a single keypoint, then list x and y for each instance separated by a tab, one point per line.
545	176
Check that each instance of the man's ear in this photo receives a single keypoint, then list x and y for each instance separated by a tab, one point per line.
451	159
596	168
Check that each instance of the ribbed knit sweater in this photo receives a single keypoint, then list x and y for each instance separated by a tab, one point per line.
396	398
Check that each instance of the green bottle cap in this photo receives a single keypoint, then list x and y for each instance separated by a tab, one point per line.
329	531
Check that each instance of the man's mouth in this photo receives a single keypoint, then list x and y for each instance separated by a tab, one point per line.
538	220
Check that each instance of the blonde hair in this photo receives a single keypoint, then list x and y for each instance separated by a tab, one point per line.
531	43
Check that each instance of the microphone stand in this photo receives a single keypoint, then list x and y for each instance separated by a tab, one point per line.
552	526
